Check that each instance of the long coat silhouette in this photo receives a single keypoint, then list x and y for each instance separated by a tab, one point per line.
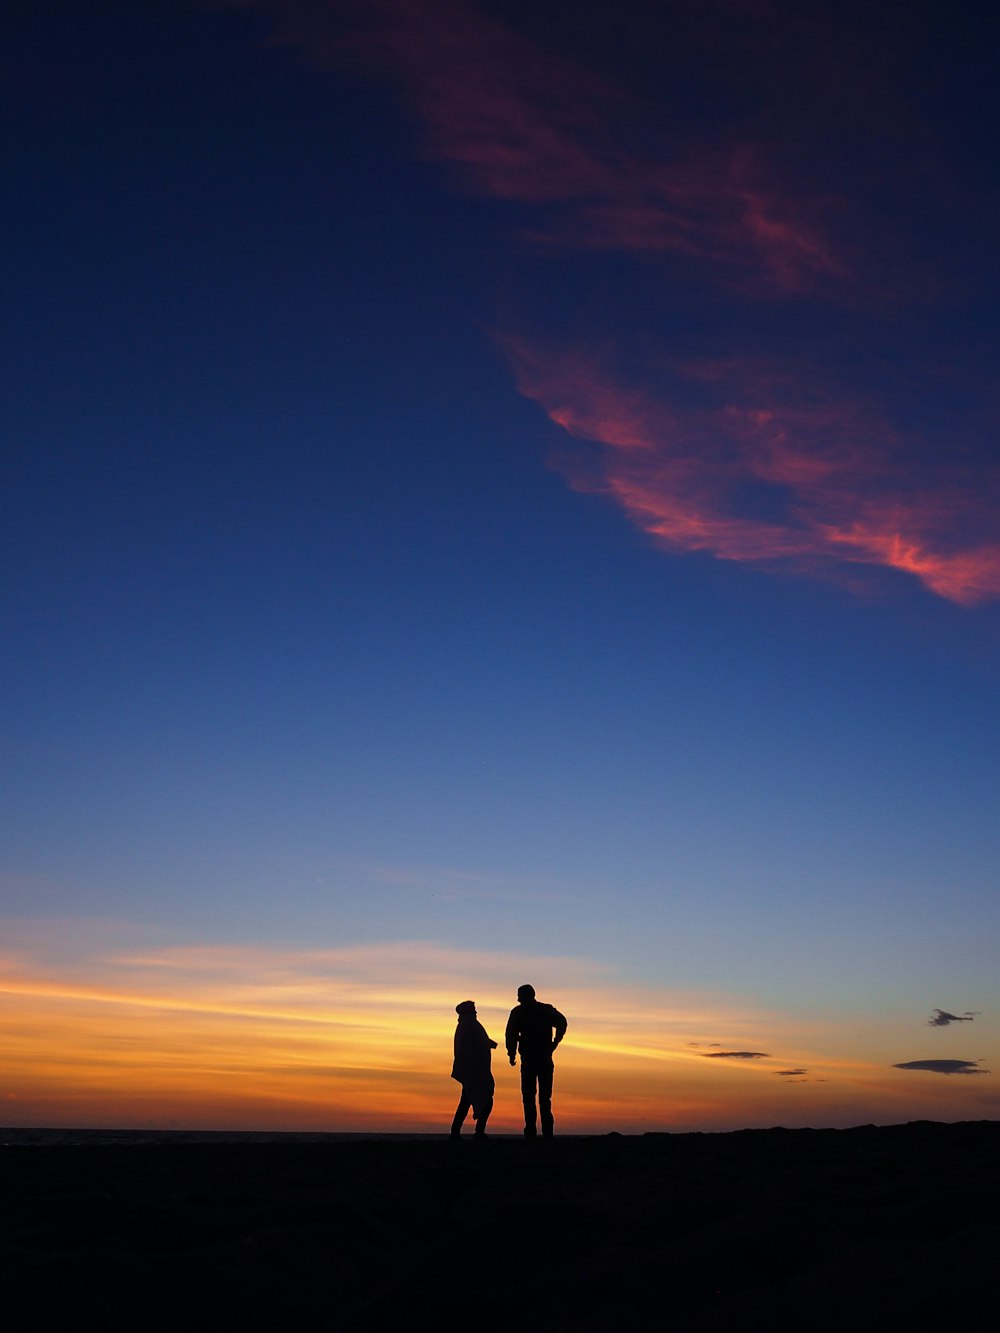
471	1068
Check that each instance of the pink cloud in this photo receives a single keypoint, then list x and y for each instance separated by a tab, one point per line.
768	469
718	150
521	122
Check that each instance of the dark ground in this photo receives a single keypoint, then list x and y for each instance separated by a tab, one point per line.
816	1229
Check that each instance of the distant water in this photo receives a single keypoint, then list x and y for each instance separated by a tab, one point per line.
43	1138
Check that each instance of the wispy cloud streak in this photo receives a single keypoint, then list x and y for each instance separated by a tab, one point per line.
748	461
709	149
519	121
359	1036
338	1038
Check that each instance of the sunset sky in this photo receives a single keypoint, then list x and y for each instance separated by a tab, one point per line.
496	493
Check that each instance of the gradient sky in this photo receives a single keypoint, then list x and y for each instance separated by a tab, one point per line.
499	493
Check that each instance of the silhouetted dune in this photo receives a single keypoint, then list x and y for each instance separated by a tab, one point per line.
777	1228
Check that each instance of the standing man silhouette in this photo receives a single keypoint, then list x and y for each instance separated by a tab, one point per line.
530	1030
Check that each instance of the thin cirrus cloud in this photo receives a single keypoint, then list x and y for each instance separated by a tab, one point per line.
681	147
518	120
751	462
525	126
452	884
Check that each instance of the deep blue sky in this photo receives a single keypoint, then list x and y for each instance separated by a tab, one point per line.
319	630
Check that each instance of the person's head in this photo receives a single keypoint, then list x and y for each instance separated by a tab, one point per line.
467	1009
525	994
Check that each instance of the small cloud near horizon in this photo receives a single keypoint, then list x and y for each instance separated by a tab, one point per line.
736	1055
941	1018
944	1066
790	1073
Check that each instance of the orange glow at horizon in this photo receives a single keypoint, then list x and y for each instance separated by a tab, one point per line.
360	1039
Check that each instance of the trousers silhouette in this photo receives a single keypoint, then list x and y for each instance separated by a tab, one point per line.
537	1074
482	1115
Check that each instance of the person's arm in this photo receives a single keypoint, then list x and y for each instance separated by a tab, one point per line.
560	1025
510	1037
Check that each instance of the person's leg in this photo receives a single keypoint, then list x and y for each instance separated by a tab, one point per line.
545	1072
463	1110
528	1077
484	1115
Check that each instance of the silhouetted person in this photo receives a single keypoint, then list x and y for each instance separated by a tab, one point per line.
530	1030
473	1049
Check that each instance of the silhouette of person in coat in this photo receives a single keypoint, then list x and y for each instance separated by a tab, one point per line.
473	1050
